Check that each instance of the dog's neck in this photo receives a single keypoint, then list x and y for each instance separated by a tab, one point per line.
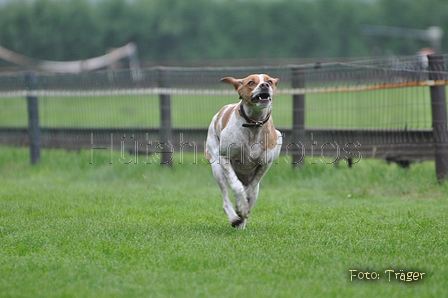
254	116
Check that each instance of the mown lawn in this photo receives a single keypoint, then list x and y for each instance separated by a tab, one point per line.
73	229
379	109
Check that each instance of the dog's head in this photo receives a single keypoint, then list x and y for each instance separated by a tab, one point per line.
254	90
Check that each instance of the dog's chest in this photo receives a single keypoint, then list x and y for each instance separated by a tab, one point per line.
245	149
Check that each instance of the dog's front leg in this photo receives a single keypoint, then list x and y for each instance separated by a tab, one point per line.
239	192
218	173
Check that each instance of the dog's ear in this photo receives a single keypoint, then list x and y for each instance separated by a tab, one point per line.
232	81
276	81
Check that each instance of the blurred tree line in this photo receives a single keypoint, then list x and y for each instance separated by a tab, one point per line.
214	29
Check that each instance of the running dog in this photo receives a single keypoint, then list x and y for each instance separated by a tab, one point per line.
242	143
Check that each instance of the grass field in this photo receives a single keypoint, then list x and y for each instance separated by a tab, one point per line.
385	109
73	229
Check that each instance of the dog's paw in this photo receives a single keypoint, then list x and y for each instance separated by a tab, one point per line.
239	223
236	222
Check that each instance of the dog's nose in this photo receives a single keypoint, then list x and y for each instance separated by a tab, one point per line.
264	86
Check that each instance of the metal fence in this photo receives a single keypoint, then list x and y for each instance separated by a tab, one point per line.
380	108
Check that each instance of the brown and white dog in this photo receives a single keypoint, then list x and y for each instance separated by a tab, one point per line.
242	143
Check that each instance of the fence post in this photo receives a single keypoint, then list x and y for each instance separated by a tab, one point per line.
33	117
298	122
439	115
165	131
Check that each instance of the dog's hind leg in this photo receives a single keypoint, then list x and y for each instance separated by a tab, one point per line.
254	185
227	206
252	194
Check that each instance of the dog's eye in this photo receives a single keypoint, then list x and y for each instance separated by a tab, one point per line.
270	82
251	83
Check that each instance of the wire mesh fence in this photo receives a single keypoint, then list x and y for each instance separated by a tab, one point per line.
384	105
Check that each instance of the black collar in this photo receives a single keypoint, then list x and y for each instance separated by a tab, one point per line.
251	122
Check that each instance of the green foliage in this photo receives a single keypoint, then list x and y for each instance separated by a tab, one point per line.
73	229
204	29
50	30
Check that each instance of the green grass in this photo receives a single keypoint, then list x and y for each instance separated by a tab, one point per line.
73	229
385	109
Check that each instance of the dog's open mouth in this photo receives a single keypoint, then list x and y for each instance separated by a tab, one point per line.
261	97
